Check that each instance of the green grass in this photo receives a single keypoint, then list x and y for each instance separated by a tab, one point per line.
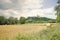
52	33
49	34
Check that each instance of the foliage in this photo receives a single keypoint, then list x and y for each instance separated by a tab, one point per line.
58	11
40	20
52	33
2	20
59	1
10	20
22	20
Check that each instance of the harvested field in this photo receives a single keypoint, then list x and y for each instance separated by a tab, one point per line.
7	32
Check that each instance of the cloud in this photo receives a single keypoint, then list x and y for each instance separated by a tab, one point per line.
18	4
49	12
5	1
17	8
8	13
11	4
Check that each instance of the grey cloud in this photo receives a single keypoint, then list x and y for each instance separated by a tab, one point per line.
15	4
5	6
18	4
1	14
17	8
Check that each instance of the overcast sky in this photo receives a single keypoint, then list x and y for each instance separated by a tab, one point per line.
18	8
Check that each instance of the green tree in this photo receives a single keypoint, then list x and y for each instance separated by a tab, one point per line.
58	1
11	20
15	20
22	20
2	20
58	11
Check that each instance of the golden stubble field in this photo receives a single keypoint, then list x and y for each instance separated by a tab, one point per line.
10	31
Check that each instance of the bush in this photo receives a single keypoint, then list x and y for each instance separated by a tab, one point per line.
22	20
2	20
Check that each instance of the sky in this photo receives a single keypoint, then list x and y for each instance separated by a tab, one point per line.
28	8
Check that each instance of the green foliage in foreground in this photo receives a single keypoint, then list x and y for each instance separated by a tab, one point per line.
49	34
58	11
52	33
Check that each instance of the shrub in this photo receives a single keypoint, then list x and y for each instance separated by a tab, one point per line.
22	20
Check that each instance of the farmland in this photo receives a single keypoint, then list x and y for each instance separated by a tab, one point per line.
12	30
26	32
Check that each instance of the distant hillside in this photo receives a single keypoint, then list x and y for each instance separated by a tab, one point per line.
40	20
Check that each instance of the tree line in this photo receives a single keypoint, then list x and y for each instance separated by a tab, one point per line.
11	20
23	20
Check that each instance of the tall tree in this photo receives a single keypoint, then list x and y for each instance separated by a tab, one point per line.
2	20
22	20
11	20
59	1
58	11
16	20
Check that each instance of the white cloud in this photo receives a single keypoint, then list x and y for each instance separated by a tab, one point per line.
8	1
33	4
49	12
28	8
8	13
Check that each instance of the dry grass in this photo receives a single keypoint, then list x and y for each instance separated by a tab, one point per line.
7	32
